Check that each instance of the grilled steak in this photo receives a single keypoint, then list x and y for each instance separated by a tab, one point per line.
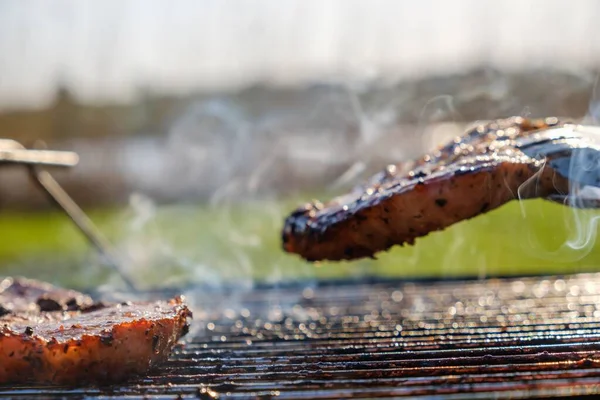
490	165
79	341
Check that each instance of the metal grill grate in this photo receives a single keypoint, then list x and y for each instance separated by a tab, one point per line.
530	337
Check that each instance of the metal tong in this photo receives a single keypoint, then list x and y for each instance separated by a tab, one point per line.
12	152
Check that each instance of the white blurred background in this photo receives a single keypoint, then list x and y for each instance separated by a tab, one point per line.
107	50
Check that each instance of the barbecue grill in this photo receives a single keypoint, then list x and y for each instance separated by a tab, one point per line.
500	338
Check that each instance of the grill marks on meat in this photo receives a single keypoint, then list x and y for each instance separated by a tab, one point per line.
96	344
490	165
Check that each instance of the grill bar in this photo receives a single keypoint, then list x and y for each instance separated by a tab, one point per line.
517	338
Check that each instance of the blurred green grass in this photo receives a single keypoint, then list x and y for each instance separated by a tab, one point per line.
183	243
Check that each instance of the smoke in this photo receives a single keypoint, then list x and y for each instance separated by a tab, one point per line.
207	145
382	138
593	115
584	191
249	162
228	240
582	198
439	122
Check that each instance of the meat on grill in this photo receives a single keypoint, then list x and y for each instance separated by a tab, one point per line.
28	295
50	335
488	166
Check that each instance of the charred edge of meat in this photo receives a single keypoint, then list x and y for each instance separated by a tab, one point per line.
48	304
22	294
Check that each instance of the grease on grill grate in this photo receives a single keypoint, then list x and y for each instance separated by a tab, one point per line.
535	337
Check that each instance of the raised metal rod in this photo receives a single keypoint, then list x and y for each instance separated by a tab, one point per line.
39	157
81	220
12	152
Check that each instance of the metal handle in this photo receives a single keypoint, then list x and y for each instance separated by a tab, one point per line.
81	220
39	157
13	152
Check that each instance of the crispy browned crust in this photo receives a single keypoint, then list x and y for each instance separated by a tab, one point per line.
29	295
104	345
491	164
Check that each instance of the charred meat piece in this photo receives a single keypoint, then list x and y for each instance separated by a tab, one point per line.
488	166
98	343
28	295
